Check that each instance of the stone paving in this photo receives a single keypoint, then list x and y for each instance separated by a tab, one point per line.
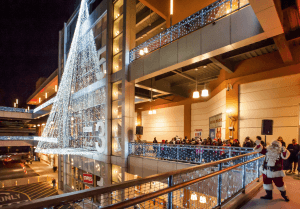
293	192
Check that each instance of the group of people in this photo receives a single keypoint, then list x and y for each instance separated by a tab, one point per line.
198	141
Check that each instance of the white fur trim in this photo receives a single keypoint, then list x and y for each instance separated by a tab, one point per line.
282	189
272	174
268	186
286	155
258	149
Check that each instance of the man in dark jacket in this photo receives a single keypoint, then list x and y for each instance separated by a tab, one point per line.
294	149
248	142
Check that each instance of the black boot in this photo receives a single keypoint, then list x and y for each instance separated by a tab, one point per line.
283	194
269	195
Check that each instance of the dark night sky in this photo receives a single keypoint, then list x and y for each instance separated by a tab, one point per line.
29	44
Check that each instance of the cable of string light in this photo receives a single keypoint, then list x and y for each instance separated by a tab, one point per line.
77	118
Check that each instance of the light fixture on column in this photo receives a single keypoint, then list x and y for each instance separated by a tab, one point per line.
144	51
204	92
55	88
229	113
46	95
196	94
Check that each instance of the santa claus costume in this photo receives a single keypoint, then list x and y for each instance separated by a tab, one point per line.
272	167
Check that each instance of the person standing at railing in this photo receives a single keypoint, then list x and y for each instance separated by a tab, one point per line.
272	167
294	149
155	145
236	143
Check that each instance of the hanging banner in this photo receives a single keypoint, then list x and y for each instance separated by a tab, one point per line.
218	135
88	178
212	133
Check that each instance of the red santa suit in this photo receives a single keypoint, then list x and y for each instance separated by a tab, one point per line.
272	167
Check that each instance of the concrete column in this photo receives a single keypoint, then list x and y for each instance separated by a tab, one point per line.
128	88
109	61
232	103
187	120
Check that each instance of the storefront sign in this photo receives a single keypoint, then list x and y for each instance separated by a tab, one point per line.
197	130
215	121
218	136
88	178
8	197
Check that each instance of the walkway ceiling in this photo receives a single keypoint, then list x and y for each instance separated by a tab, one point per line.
181	82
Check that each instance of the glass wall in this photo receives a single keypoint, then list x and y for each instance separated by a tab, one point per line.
76	166
118	36
116	118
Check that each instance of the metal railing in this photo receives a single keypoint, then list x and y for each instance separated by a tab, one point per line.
13	109
185	153
194	22
203	186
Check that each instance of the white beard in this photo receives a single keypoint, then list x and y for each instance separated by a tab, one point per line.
272	155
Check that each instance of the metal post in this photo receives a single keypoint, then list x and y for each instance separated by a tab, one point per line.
244	175
257	168
229	152
143	145
177	156
219	186
202	18
160	40
158	152
170	194
201	151
230	5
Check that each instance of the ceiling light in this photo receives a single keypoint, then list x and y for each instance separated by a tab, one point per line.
145	50
202	199
204	66
153	112
193	196
55	88
204	92
150	112
196	94
141	52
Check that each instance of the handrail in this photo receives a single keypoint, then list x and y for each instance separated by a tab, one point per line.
68	197
191	145
146	197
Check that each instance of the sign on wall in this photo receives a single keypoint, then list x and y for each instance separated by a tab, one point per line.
215	121
198	133
88	178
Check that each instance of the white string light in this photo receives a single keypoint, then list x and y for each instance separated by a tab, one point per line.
79	108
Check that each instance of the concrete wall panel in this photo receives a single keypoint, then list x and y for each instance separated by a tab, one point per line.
244	24
168	55
151	62
215	36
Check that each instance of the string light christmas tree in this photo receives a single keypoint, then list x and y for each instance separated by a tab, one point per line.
77	118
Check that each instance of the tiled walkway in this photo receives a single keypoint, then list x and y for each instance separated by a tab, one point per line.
293	192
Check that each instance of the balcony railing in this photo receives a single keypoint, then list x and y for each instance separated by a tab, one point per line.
13	109
194	22
185	153
203	186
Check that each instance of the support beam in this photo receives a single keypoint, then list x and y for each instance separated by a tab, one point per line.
283	48
155	25
227	66
164	86
199	82
184	75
